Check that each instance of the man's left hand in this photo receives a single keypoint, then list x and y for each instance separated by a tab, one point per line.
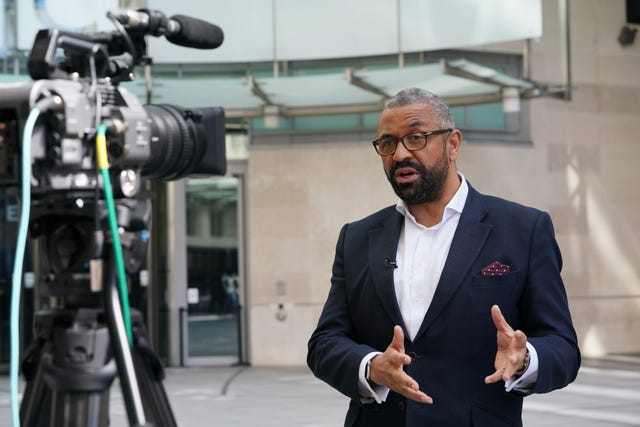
512	349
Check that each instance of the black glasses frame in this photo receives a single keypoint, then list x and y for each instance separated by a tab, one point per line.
426	135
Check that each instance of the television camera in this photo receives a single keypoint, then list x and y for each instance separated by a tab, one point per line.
75	98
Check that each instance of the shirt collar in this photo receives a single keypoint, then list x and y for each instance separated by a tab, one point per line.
455	205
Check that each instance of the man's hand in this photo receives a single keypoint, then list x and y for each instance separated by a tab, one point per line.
386	369
512	349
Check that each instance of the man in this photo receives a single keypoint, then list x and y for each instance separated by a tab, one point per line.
448	308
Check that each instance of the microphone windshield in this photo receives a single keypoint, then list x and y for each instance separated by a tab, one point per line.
196	33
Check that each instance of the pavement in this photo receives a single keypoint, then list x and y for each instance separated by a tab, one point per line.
605	394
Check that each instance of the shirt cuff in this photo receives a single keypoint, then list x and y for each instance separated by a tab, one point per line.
527	380
370	394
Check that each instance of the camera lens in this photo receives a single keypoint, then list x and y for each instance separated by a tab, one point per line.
174	144
185	142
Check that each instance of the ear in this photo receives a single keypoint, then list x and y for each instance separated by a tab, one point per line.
453	144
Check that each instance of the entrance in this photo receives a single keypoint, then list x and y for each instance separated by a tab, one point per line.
214	310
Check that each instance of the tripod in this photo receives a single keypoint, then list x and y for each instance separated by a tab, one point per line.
80	348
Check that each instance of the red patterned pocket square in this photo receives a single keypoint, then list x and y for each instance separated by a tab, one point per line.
495	269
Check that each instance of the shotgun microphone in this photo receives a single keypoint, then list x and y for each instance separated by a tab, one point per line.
179	29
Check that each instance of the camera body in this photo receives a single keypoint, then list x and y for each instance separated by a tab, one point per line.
76	91
160	142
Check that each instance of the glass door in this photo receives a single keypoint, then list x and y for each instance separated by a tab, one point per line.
213	291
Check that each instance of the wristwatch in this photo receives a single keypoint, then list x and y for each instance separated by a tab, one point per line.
367	375
525	365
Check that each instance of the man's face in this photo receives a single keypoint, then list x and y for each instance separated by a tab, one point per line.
416	176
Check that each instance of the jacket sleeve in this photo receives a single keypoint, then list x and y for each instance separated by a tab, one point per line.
333	355
545	313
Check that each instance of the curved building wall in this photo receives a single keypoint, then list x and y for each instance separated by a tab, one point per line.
581	167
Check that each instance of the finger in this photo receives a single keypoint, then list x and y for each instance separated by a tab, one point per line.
494	378
411	390
418	396
409	382
521	338
499	321
519	348
508	373
397	342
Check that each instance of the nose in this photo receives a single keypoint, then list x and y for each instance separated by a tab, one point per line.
401	152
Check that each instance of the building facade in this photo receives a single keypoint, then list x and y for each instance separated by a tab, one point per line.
240	265
579	166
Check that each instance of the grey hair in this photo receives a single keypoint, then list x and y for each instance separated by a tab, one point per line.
441	113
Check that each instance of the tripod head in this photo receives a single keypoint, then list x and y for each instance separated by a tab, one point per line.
71	237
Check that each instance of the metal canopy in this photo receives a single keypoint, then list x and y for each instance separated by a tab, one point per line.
459	82
480	73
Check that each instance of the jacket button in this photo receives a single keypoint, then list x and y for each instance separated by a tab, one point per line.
401	406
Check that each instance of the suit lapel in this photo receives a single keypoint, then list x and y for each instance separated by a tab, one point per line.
466	245
383	244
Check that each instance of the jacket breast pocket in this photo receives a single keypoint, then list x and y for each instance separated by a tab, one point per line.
510	279
486	291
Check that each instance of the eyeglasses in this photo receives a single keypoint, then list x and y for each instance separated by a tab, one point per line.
413	141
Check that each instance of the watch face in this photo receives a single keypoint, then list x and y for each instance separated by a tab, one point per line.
367	371
525	364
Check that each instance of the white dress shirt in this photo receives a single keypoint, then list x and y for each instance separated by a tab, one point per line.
420	257
422	252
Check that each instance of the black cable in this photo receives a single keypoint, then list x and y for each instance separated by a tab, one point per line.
125	35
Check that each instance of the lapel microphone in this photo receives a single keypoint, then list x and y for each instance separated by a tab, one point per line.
390	262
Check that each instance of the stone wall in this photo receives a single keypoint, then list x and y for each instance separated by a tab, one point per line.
581	167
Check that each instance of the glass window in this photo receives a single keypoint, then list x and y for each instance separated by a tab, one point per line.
336	122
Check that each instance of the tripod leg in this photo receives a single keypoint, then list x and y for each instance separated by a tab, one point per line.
79	398
150	373
69	371
126	371
36	399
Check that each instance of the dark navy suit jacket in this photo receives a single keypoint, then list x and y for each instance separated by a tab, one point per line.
456	345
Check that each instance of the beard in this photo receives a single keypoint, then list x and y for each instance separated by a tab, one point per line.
428	187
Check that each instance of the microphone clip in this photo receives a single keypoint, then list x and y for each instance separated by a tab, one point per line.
390	262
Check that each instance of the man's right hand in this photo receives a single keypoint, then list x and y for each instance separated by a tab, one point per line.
386	369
